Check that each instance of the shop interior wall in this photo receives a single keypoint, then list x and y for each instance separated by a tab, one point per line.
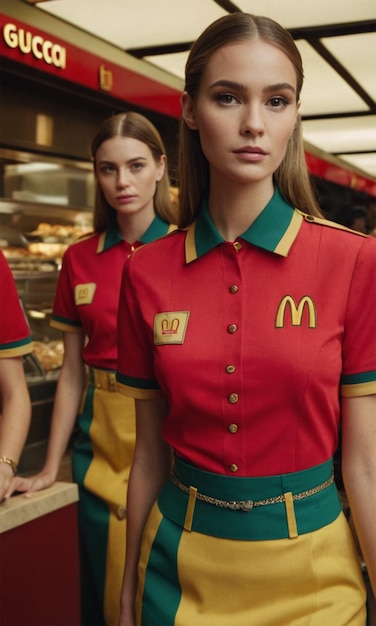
76	114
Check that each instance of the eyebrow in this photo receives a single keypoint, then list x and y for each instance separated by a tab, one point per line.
242	88
130	161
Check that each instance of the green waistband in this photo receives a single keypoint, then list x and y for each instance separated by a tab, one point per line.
260	523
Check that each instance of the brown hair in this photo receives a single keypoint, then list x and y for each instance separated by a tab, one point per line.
292	176
136	126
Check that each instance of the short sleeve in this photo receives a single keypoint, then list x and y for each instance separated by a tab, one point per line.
65	316
15	338
359	343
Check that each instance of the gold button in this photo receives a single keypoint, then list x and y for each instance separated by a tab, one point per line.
237	246
98	385
233	428
234	289
233	398
122	512
234	467
309	218
232	328
230	369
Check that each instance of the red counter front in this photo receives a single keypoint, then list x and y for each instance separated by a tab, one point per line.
39	562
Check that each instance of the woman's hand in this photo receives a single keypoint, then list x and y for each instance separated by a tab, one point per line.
30	484
66	405
6	478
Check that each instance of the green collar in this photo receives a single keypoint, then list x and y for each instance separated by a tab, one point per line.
275	229
111	237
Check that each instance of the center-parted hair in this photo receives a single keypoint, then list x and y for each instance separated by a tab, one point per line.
292	176
135	126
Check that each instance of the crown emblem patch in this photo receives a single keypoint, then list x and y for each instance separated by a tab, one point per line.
84	293
170	327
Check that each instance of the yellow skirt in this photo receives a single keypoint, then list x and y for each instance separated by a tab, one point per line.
191	578
101	465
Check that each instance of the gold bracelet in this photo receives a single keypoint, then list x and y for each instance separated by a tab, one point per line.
5	459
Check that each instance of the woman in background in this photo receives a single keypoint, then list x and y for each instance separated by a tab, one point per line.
132	208
236	335
15	406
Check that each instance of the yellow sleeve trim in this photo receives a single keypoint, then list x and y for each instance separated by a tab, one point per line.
65	327
360	389
8	353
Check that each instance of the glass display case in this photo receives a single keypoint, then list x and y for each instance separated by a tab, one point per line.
45	205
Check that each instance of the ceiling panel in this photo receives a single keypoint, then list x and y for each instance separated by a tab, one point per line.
345	135
134	24
337	40
300	13
324	90
173	62
357	53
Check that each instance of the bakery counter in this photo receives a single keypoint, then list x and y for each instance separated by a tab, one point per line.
39	565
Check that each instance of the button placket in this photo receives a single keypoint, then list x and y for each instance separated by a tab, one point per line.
232	352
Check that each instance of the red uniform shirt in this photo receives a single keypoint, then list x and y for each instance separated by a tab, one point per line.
87	293
251	341
15	339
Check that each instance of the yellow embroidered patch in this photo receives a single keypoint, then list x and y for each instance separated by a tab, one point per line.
170	327
84	294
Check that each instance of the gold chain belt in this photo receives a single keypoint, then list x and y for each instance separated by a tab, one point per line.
247	505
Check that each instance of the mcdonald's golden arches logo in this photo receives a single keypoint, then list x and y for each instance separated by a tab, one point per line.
296	312
170	327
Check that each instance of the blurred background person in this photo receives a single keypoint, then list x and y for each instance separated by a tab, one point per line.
371	219
132	208
357	219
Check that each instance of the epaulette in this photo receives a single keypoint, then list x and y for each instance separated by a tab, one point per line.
324	222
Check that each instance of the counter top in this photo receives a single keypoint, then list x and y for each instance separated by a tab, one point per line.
19	510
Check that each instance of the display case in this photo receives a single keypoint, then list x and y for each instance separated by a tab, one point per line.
45	206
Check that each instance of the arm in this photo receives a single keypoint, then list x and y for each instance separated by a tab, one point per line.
14	419
66	406
359	472
150	469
